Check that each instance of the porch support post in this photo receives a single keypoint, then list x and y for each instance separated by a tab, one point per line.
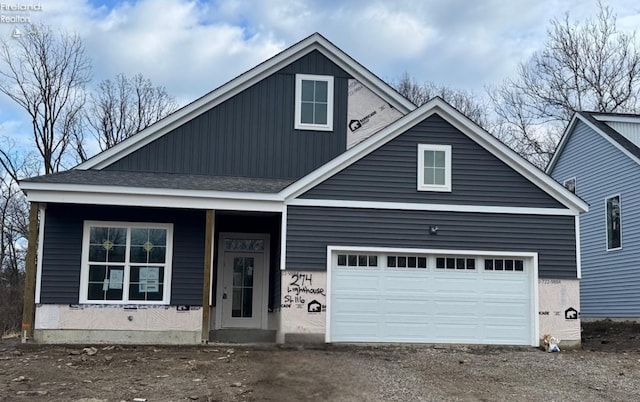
206	281
29	307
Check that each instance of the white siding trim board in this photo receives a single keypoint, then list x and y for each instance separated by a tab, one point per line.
578	257
407	206
162	198
283	239
43	210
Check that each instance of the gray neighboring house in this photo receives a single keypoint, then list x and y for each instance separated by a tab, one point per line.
599	159
306	200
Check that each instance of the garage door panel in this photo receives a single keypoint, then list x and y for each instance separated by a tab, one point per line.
430	305
356	281
405	283
411	332
353	305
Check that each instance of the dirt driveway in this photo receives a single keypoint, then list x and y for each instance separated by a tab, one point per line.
607	368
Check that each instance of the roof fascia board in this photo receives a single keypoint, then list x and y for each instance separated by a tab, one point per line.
52	188
563	140
617	119
153	200
242	82
462	123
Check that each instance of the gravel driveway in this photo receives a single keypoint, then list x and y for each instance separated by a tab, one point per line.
606	369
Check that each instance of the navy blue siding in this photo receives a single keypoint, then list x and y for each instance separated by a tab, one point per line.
62	249
390	174
311	229
610	285
251	134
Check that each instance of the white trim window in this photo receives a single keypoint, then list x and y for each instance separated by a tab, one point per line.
126	263
314	102
434	167
613	218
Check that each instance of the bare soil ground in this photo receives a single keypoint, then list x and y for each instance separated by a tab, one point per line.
606	368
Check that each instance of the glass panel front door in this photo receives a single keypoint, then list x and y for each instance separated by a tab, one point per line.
242	298
242	293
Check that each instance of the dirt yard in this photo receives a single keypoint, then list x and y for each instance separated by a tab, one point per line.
607	368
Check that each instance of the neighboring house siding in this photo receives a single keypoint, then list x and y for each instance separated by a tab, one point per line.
390	174
251	134
311	229
62	249
610	284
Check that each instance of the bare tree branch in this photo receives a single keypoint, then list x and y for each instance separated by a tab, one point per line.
583	66
45	73
121	107
466	102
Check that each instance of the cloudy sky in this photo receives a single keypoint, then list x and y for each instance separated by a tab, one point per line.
191	47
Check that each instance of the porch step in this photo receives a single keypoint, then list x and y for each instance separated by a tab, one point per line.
242	335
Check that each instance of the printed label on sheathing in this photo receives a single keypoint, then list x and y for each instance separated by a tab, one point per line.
367	113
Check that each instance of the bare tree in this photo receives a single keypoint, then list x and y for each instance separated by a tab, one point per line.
14	218
583	66
466	102
45	73
123	106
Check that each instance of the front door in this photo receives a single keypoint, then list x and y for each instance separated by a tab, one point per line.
243	277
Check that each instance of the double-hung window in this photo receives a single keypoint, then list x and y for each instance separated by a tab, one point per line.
434	167
613	222
314	102
126	263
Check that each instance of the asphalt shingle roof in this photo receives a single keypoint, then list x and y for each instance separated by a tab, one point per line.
164	180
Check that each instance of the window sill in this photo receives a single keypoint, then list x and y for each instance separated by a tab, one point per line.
313	127
442	189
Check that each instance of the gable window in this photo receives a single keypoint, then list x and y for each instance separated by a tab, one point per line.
570	184
613	219
314	102
126	263
434	167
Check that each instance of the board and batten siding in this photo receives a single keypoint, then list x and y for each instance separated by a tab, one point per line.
311	229
252	134
62	249
610	284
389	174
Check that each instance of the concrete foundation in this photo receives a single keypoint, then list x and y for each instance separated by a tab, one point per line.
82	336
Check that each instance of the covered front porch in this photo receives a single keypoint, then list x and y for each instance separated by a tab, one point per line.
245	277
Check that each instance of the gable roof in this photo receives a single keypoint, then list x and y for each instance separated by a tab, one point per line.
105	187
244	81
459	121
596	121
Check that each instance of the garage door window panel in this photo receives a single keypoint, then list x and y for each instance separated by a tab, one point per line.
455	263
406	261
357	260
504	265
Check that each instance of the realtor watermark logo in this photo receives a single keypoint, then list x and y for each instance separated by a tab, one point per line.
17	13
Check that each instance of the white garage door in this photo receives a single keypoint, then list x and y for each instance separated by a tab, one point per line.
431	297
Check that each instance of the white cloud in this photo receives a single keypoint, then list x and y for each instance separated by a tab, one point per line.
192	47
